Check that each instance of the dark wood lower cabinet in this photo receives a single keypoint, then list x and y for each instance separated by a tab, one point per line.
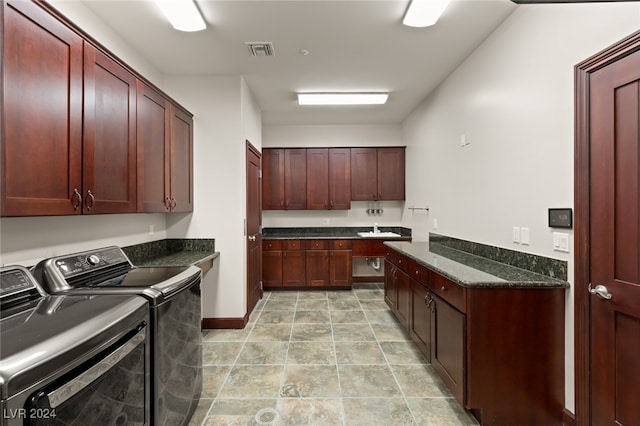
311	263
499	350
293	268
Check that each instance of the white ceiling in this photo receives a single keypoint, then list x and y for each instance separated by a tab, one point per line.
356	45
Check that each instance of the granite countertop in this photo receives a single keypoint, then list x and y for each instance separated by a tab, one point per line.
333	233
472	271
172	252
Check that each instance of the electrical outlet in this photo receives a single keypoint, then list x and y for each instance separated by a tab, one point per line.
326	221
524	236
151	229
435	224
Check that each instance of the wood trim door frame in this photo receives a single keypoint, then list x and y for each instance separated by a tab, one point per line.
582	179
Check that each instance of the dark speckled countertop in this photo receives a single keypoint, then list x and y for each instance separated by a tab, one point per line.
172	252
333	233
470	270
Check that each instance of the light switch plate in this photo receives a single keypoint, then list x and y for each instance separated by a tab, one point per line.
516	234
524	236
561	242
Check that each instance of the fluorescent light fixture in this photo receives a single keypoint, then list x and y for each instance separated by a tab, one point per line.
424	13
342	98
182	14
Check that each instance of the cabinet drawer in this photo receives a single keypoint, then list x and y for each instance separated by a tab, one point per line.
340	245
293	245
269	245
393	256
317	244
449	291
418	272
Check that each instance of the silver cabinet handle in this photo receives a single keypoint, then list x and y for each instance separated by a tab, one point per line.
90	200
77	199
252	238
600	291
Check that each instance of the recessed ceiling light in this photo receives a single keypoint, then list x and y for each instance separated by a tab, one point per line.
182	14
342	98
424	13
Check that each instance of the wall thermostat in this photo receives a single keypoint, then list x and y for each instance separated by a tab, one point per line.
560	218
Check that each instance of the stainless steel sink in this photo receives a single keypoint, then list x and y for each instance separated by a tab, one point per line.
371	234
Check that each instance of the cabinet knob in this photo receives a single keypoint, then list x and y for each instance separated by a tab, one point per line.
443	288
417	272
399	260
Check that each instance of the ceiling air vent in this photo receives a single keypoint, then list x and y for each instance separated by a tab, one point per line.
260	48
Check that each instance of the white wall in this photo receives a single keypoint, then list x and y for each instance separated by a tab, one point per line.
318	136
219	175
90	23
513	97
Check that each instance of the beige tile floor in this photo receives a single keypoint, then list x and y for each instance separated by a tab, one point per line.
322	358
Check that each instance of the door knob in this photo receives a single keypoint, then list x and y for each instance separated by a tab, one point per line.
600	291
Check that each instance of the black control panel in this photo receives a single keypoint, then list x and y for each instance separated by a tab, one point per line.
14	281
90	261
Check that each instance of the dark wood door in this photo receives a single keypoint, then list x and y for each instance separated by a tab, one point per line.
109	145
420	318
318	268
340	267
390	286
403	302
614	236
272	268
391	173
293	268
153	136
364	174
295	179
42	113
339	178
272	179
254	225
181	160
318	179
448	345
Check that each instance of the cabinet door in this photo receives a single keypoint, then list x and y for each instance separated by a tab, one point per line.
391	173
403	303
293	268
318	267
181	158
109	146
41	113
390	287
273	179
339	178
153	150
448	350
340	270
318	179
420	322
272	268
295	179
364	174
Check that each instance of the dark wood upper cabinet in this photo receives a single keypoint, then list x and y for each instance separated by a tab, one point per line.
181	160
391	173
295	179
165	154
109	142
153	121
328	178
340	178
364	174
284	179
317	179
377	174
42	113
273	179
